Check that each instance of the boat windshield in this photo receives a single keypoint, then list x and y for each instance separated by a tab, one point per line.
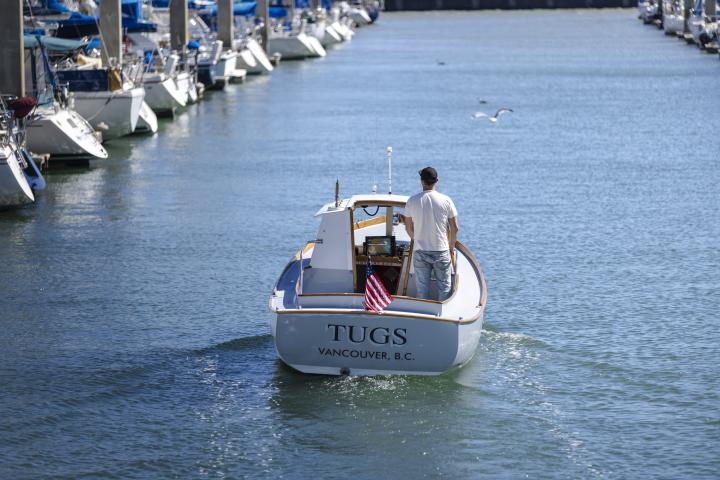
379	237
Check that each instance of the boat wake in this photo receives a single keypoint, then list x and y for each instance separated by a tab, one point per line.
493	336
238	343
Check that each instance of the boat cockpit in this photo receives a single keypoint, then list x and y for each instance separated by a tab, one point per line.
353	231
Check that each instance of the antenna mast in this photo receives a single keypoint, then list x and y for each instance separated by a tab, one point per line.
389	155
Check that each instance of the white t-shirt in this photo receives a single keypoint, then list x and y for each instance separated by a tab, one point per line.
430	212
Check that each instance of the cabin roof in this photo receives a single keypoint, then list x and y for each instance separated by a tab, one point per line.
352	202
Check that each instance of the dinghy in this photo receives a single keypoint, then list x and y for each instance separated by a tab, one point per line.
321	324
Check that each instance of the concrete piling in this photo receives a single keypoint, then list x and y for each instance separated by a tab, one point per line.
111	30
178	25
225	22
12	75
262	11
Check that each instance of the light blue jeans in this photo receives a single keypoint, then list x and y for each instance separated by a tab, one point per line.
426	263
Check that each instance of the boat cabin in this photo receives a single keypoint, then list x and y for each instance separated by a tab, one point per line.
351	232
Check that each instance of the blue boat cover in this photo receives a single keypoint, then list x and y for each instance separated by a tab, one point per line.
54	44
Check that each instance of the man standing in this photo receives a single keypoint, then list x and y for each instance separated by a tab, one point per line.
431	221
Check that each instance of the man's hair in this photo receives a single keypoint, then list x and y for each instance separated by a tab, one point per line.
429	175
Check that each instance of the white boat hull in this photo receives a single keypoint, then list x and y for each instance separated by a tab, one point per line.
164	96
345	31
226	66
331	36
674	24
318	49
115	114
186	84
147	120
14	187
359	16
262	62
63	133
371	344
246	60
295	47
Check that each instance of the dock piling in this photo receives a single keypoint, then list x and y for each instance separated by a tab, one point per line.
111	32
262	12
226	22
710	9
12	76
178	25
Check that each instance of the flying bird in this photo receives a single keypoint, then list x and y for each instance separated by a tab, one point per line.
481	101
492	119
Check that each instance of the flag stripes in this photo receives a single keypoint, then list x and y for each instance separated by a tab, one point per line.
376	295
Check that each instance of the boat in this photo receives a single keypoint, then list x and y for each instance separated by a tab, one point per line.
18	133
110	104
215	64
147	120
292	47
19	176
54	127
62	133
159	79
162	94
288	38
14	187
702	25
317	47
320	324
674	16
328	35
649	11
262	62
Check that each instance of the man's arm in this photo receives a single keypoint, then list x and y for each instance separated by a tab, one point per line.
409	228
452	234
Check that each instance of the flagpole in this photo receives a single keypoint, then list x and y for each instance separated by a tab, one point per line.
389	155
302	270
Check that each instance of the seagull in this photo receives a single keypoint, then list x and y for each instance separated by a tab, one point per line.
492	119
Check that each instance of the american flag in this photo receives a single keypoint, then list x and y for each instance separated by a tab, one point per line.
376	296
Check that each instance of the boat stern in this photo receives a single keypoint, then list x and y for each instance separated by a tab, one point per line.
369	344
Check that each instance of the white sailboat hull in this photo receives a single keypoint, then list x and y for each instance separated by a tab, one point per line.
246	60
186	84
147	120
115	114
345	31
164	96
14	187
318	49
330	36
225	68
262	62
295	47
359	16
63	133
